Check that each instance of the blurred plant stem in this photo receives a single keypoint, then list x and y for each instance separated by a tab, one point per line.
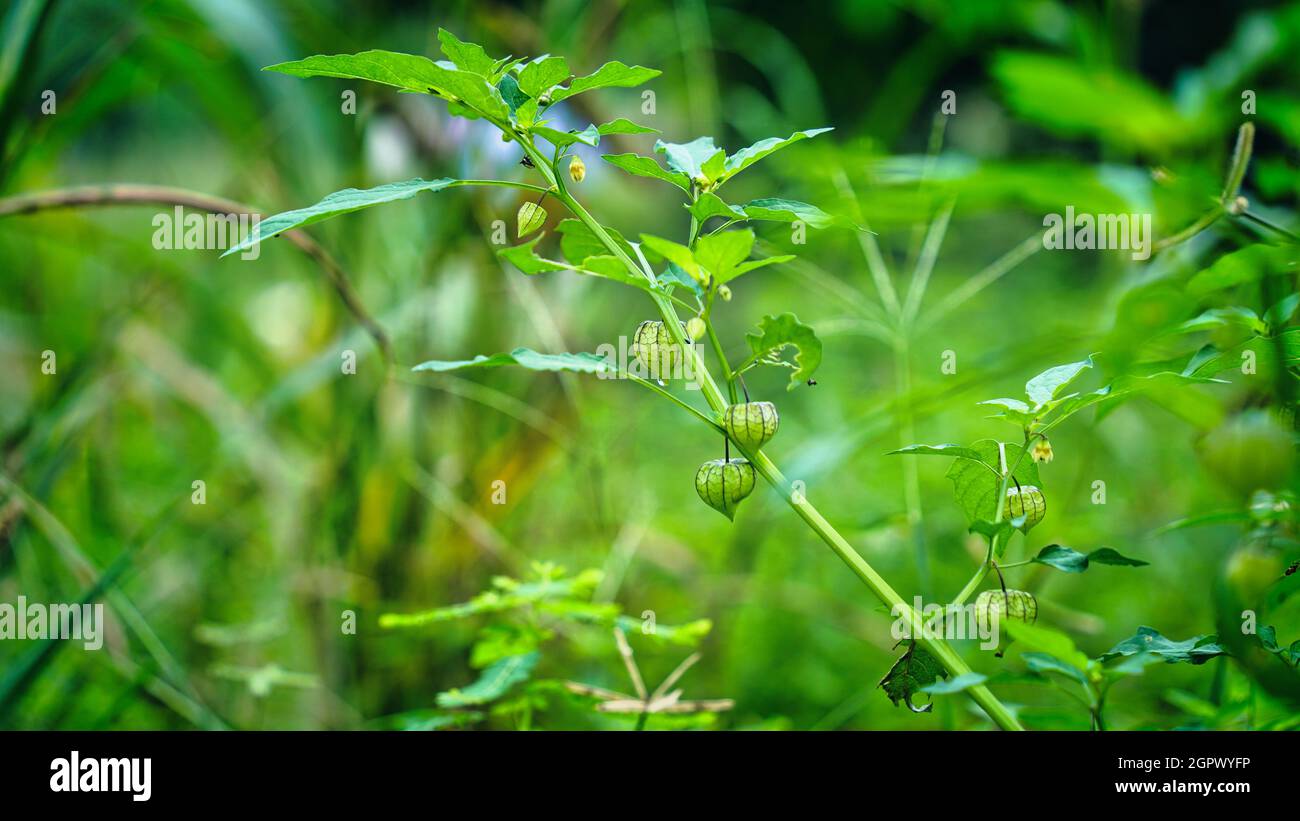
130	194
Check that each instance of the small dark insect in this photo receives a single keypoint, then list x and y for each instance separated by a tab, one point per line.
812	383
527	162
1292	569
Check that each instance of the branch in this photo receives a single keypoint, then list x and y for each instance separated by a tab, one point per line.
132	194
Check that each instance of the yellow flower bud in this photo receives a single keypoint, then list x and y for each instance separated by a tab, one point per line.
1041	451
695	328
577	169
725	293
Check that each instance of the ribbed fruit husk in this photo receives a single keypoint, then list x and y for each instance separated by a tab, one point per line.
724	483
752	424
1027	501
653	347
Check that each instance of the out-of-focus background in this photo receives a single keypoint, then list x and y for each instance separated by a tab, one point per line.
329	496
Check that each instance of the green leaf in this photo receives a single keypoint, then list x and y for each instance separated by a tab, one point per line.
938	450
976	487
646	167
1110	556
1196	650
753	265
914	670
1045	663
624	126
1046	640
746	157
1013	410
1121	388
1050	383
611	75
955	685
775	209
530	217
774	334
679	255
508	86
578	242
721	252
710	205
1062	558
692	157
340	202
578	362
1115	108
494	682
466	56
408	72
1250	264
526	259
1072	561
560	139
498	641
539	76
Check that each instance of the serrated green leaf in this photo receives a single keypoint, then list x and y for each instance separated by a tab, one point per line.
467	56
746	157
539	76
613	74
561	139
913	671
710	205
407	72
646	167
975	486
493	683
719	253
775	333
691	158
1196	650
340	202
678	254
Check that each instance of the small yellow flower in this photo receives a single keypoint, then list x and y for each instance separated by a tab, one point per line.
577	169
1041	451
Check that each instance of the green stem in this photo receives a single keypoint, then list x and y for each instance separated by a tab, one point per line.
938	648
